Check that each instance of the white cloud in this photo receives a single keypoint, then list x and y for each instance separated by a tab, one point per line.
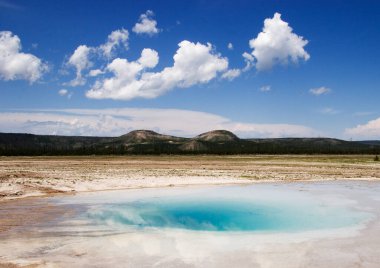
149	58
146	24
277	44
115	122
95	72
80	61
115	39
194	63
231	74
63	92
230	46
370	130
249	61
265	88
15	64
320	91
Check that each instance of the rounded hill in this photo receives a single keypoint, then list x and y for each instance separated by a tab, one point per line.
142	136
218	136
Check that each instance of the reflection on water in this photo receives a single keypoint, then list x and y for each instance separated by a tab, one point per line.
222	210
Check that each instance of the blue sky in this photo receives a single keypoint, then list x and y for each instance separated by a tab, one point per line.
313	71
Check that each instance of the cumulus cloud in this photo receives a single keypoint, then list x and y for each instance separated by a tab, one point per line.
64	92
249	61
80	60
265	88
115	122
320	91
149	58
146	24
277	44
231	74
230	46
15	64
115	39
370	130
95	72
194	63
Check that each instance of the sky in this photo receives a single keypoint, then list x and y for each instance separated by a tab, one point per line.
257	68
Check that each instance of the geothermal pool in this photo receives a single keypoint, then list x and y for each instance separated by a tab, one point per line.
260	225
222	209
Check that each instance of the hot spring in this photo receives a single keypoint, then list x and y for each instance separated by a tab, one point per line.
220	209
259	225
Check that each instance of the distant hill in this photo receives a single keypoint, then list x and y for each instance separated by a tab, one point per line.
150	142
217	136
146	136
370	142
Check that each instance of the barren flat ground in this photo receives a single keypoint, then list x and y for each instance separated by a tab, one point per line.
356	179
26	176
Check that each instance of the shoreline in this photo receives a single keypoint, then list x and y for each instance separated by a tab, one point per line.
42	176
56	193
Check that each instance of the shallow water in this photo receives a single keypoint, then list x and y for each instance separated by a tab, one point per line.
227	208
263	225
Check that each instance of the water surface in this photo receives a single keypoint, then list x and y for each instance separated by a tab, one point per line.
228	208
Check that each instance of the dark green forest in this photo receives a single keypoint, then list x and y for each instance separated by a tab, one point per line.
142	142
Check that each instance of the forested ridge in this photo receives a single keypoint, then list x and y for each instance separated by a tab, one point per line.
149	142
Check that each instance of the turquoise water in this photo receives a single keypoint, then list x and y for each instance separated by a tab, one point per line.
232	210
